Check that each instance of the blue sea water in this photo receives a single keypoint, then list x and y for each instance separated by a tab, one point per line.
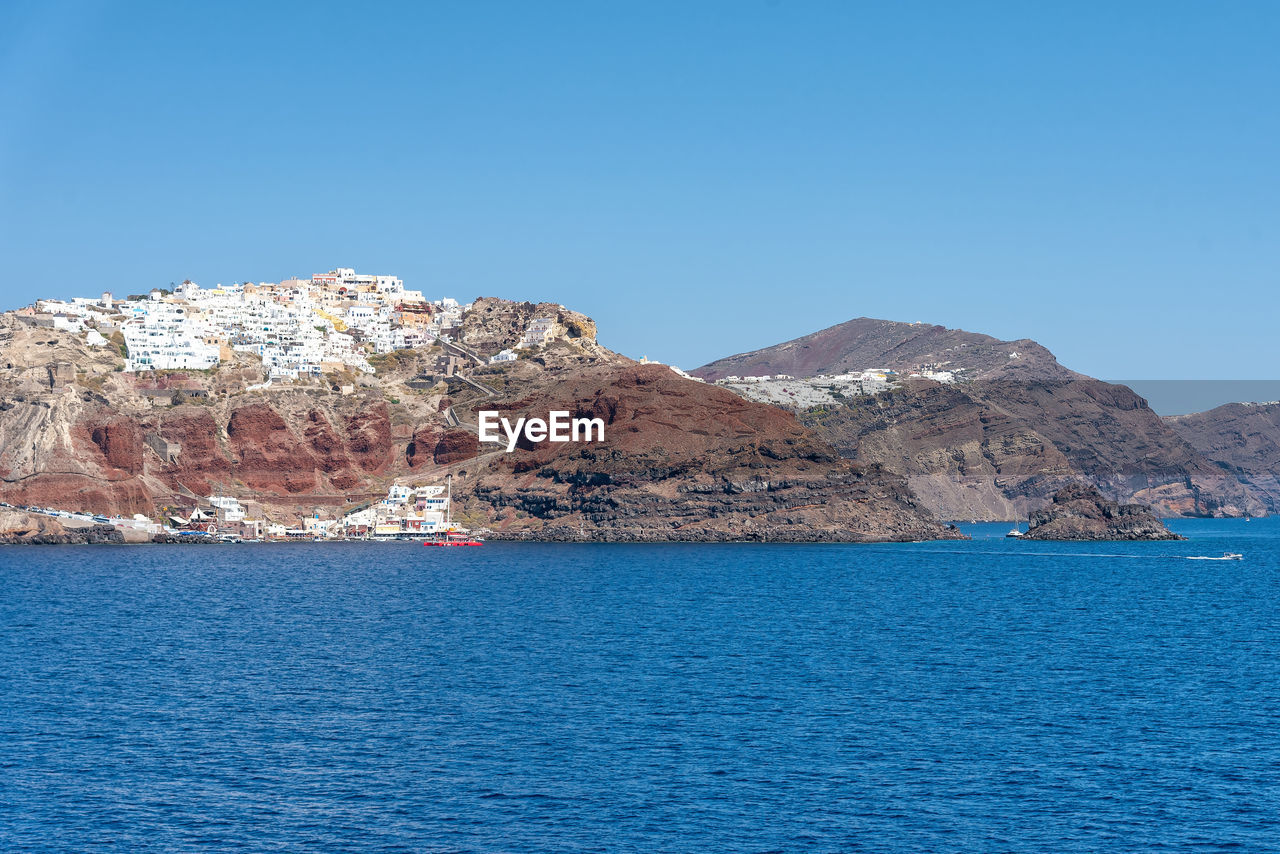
986	696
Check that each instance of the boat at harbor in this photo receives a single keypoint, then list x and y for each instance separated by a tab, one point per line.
453	538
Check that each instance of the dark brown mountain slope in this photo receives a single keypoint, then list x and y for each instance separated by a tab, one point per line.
1007	436
1241	438
680	460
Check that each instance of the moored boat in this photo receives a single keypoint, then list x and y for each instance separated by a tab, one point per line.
453	538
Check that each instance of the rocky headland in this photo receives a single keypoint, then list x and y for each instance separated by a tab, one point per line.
681	460
1080	512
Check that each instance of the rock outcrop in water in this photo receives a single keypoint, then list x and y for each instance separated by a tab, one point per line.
1079	512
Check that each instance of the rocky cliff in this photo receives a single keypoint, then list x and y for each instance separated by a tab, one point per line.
1243	439
684	461
1079	512
681	460
1005	437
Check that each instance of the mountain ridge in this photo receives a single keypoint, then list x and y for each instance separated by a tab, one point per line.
864	343
1013	428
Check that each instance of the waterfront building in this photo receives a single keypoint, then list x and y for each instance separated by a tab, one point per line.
406	513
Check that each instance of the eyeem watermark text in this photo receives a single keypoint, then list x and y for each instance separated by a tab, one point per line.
558	427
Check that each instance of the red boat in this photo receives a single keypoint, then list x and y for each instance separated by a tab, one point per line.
453	538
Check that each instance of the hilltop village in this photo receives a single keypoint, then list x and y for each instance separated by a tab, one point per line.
298	327
301	330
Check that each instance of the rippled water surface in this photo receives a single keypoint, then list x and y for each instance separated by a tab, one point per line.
982	696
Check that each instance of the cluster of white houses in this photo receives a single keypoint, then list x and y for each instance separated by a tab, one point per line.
407	512
298	327
800	393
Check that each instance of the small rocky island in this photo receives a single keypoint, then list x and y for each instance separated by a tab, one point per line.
1080	512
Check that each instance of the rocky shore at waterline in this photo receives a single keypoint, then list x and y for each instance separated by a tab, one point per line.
1080	512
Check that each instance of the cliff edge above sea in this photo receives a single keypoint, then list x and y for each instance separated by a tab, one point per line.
680	459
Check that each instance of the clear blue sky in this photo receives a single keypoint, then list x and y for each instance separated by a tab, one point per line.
702	178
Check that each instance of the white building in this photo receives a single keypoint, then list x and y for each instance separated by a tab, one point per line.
229	509
407	512
536	333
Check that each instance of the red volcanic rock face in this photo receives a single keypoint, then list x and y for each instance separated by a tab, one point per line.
79	492
369	438
271	457
455	446
431	447
323	440
120	441
687	461
201	461
653	415
420	448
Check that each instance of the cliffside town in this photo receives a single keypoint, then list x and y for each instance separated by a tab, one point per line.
298	403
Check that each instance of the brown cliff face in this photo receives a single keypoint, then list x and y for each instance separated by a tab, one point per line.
455	446
997	449
108	442
368	440
1243	439
1079	512
268	454
120	441
684	461
202	462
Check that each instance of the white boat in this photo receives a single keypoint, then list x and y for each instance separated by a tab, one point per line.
1014	533
1225	556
